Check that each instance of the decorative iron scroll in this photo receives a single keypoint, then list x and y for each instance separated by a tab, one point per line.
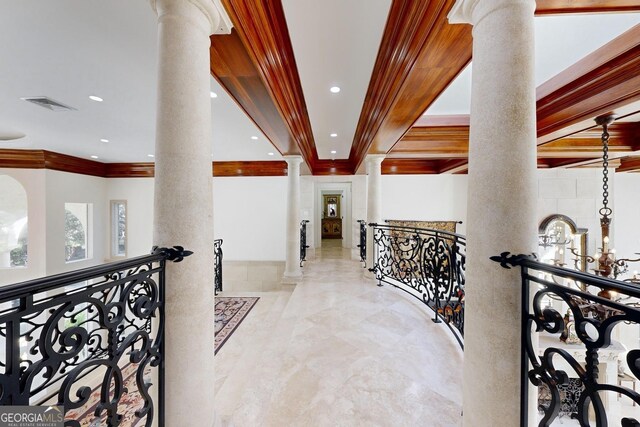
595	307
217	268
363	242
428	264
448	226
303	241
67	333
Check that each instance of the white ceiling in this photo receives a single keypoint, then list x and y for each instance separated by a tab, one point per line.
70	49
335	43
561	41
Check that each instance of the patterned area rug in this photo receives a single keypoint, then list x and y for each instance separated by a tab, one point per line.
230	312
130	402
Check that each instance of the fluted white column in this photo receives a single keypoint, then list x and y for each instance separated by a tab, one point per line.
374	202
501	203
292	271
183	205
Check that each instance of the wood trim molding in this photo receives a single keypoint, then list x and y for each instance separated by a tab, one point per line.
262	28
250	168
409	166
42	159
554	7
130	170
22	159
419	56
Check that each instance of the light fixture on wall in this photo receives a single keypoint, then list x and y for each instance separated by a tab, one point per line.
606	263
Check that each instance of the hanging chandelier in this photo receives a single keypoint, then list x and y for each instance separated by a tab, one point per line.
606	263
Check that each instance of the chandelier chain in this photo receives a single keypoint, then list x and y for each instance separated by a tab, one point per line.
605	211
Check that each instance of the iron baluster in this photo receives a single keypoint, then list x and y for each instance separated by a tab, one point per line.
428	264
363	242
303	241
217	269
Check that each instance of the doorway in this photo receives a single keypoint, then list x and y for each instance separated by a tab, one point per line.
332	214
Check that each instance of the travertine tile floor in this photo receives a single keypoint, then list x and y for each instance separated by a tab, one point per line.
336	350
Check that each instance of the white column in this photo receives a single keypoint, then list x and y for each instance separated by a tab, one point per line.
374	202
183	205
501	203
292	271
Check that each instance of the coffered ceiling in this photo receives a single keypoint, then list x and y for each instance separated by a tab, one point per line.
393	60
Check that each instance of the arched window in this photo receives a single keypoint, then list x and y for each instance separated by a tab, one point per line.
76	218
13	223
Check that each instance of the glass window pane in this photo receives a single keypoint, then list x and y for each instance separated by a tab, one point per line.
13	223
76	226
118	228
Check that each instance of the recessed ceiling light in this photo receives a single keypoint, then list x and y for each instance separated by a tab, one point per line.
213	94
254	137
271	154
104	140
95	98
94	157
333	151
150	155
333	135
334	89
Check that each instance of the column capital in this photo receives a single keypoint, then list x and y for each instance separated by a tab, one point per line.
217	17
375	158
473	11
293	160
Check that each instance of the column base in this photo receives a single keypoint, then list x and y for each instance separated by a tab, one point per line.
291	278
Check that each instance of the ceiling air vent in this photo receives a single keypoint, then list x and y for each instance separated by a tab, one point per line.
48	103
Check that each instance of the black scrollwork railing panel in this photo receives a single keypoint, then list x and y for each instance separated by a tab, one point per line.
85	338
428	264
217	269
573	318
363	242
303	241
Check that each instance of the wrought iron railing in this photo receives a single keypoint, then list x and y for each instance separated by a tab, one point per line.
303	241
566	365
363	242
84	338
217	269
428	264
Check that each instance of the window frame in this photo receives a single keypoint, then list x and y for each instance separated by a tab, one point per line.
113	229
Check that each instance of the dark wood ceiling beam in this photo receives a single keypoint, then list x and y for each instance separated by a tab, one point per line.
232	66
629	164
555	7
600	83
454	166
410	166
419	56
261	28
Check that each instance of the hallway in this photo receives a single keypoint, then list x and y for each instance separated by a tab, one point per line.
336	350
